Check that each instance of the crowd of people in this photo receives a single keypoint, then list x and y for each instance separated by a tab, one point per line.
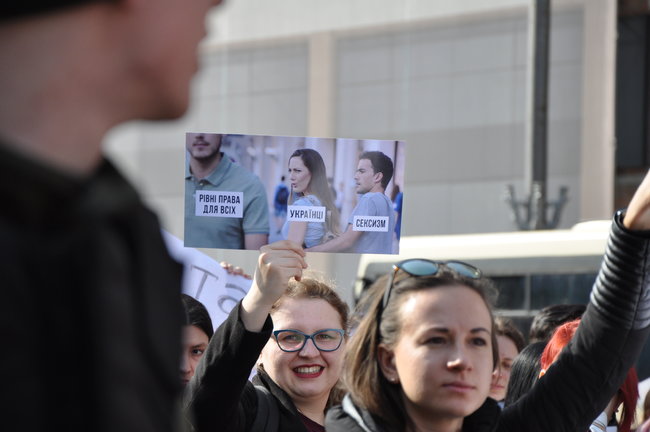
426	352
93	328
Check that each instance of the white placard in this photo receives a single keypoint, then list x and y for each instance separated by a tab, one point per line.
208	282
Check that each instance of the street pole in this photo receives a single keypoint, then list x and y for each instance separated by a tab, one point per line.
535	207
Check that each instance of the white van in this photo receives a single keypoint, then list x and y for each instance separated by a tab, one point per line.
531	269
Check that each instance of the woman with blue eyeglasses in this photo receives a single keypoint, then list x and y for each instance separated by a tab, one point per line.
422	357
293	329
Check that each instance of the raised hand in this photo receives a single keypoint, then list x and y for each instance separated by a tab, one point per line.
637	216
278	262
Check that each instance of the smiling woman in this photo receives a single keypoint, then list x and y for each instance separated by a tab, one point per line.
294	330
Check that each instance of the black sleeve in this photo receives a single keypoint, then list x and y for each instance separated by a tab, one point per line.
219	396
591	368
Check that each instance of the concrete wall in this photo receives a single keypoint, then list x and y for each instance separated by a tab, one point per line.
448	77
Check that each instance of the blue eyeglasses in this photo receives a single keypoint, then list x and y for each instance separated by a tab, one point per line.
294	340
423	267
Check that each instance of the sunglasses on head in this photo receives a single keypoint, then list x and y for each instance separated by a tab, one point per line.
423	267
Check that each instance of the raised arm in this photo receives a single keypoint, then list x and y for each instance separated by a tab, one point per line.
218	396
612	332
278	262
637	216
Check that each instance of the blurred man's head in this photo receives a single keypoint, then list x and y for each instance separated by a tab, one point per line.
149	47
12	10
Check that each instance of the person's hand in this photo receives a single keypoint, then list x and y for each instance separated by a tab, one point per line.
234	270
637	216
278	262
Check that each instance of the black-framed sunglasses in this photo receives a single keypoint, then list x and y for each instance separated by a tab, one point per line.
294	340
424	267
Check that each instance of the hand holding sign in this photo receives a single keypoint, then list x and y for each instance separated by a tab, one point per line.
278	262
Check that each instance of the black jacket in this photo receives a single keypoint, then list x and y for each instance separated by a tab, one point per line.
219	397
592	367
90	314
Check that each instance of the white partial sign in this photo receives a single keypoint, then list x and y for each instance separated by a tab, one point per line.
205	280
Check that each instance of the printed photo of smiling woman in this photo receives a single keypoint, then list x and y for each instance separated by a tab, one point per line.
293	329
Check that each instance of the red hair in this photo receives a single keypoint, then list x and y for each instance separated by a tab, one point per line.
628	392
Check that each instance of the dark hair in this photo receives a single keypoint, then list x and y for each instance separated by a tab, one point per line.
505	327
311	288
362	376
550	317
380	163
197	315
319	185
524	372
